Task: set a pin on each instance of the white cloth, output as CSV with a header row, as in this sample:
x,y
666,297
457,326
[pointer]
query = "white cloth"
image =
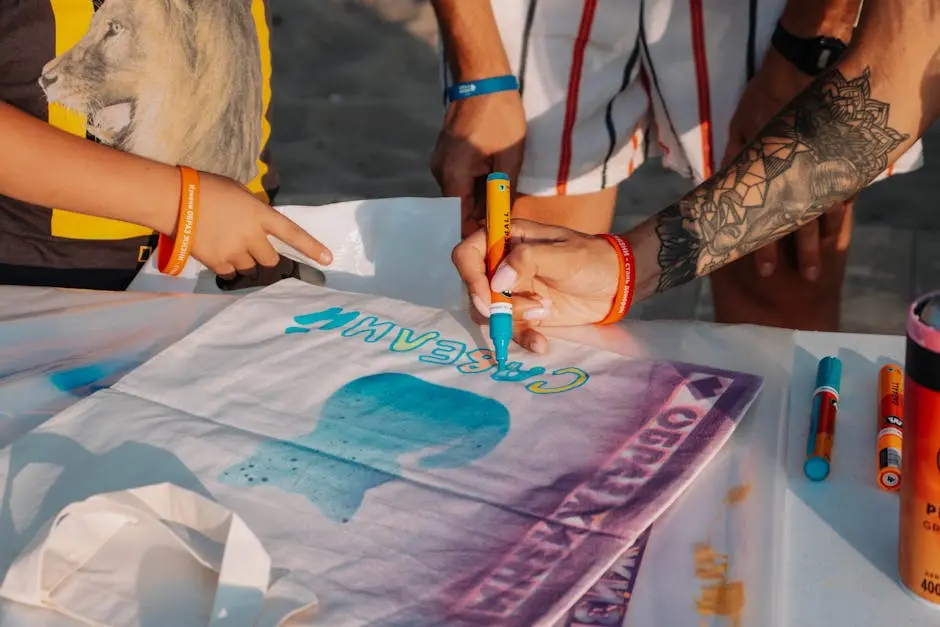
x,y
91,563
383,461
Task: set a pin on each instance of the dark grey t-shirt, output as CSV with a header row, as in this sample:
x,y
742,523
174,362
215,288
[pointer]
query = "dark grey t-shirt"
x,y
178,82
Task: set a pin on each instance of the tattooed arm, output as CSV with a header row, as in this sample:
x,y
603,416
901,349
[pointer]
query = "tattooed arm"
x,y
825,146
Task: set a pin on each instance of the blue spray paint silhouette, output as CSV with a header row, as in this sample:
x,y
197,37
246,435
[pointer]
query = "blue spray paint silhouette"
x,y
364,428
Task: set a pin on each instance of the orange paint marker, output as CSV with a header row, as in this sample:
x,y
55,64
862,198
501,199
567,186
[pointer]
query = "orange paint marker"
x,y
498,234
890,426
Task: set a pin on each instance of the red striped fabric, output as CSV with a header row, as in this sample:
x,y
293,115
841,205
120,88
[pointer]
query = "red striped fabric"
x,y
701,78
574,90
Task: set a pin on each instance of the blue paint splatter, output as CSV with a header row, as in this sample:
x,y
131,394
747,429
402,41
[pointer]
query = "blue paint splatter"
x,y
365,427
86,380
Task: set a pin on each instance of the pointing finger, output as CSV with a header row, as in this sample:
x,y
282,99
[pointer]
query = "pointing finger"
x,y
291,234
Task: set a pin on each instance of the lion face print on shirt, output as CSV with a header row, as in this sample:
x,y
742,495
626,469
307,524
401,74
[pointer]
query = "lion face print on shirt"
x,y
182,82
177,81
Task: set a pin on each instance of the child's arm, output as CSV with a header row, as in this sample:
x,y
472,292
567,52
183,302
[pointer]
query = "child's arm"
x,y
45,166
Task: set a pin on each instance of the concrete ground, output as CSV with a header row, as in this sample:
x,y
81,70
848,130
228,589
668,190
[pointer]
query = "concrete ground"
x,y
357,107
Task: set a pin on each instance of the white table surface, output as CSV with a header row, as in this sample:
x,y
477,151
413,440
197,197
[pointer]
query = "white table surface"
x,y
842,534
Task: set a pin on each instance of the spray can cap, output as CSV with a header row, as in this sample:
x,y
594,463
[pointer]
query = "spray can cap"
x,y
923,323
930,312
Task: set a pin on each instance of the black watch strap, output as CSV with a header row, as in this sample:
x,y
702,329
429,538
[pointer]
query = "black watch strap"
x,y
811,56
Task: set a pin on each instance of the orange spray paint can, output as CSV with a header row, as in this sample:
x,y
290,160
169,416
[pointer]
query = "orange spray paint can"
x,y
919,531
890,426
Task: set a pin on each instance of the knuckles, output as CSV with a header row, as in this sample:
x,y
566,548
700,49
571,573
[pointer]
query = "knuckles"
x,y
524,254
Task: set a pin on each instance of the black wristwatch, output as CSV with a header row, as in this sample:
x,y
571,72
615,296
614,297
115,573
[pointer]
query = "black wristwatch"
x,y
811,56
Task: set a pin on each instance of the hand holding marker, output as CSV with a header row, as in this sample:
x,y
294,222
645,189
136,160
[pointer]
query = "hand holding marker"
x,y
498,233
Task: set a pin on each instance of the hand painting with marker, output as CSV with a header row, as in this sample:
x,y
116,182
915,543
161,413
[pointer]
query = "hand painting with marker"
x,y
557,277
838,136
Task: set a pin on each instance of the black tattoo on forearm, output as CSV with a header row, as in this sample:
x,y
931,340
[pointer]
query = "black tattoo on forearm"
x,y
825,146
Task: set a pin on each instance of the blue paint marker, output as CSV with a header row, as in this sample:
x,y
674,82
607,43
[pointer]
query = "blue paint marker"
x,y
822,429
498,233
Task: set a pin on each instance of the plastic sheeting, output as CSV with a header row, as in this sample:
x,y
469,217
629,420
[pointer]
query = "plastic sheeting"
x,y
395,247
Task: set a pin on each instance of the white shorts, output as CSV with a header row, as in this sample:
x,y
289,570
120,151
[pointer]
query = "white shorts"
x,y
609,83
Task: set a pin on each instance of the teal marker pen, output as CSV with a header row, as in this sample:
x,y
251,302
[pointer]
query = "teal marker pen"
x,y
498,233
822,429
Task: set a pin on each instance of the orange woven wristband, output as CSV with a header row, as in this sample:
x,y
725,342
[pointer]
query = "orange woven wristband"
x,y
172,254
623,297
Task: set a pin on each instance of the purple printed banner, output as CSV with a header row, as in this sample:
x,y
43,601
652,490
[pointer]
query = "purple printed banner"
x,y
607,601
695,411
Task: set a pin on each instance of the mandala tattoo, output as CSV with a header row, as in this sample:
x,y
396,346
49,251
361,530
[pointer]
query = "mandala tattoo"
x,y
825,146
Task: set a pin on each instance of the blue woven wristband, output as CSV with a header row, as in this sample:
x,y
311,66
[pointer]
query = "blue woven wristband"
x,y
462,91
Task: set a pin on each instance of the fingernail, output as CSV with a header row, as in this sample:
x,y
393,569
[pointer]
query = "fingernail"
x,y
766,269
504,279
538,345
480,306
539,313
326,257
812,273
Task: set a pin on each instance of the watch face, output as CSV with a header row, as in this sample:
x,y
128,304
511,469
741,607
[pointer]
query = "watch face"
x,y
828,50
811,56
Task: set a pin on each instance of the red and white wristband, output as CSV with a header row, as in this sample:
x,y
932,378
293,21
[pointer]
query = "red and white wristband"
x,y
623,297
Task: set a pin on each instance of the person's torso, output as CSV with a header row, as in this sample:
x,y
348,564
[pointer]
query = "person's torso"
x,y
183,82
